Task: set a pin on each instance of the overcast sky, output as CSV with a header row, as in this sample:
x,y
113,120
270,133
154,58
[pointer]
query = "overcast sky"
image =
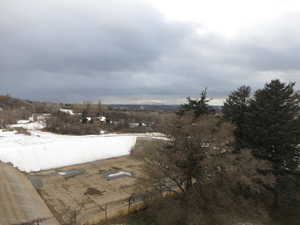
x,y
145,51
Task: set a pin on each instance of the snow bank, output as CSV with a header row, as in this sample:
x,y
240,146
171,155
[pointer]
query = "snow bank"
x,y
42,150
67,111
23,121
29,126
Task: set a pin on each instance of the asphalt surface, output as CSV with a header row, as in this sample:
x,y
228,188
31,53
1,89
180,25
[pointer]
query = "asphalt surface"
x,y
19,201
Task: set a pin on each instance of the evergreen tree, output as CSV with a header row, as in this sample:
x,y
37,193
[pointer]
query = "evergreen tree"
x,y
234,110
196,106
83,116
273,125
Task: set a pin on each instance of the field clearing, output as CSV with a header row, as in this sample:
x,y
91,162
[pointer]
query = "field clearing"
x,y
91,195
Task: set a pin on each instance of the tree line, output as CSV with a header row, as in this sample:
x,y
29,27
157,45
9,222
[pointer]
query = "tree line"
x,y
240,166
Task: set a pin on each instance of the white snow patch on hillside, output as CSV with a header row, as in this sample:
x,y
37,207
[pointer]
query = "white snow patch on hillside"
x,y
43,150
23,121
67,111
29,125
120,173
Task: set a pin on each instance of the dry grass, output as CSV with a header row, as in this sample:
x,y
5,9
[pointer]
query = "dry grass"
x,y
90,191
63,123
144,144
19,130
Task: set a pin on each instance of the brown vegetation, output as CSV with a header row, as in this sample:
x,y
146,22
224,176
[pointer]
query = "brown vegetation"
x,y
13,109
21,130
12,116
63,123
209,182
116,121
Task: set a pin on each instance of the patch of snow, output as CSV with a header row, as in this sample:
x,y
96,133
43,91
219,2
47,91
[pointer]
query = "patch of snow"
x,y
62,173
152,135
43,150
161,138
120,173
102,118
23,121
68,111
38,125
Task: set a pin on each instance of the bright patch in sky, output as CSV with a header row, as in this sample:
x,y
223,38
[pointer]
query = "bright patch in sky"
x,y
229,17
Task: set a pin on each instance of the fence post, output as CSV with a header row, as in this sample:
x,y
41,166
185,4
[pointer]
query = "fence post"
x,y
106,211
129,204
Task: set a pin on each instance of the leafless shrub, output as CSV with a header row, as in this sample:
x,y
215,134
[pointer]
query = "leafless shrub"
x,y
21,130
199,166
12,116
144,145
63,123
93,191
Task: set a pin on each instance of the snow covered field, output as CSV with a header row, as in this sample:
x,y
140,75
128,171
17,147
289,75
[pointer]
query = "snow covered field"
x,y
44,150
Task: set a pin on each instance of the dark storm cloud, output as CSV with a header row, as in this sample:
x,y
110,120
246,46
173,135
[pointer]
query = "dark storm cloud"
x,y
123,50
101,38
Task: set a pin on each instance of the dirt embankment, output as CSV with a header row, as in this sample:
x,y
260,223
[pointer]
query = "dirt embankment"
x,y
19,201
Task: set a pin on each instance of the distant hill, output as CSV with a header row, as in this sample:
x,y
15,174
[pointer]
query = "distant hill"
x,y
156,108
10,103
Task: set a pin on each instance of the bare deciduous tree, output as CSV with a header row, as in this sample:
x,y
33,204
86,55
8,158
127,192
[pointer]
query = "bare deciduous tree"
x,y
199,165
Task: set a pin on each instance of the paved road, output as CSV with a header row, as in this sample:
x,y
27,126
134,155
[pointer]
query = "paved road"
x,y
19,201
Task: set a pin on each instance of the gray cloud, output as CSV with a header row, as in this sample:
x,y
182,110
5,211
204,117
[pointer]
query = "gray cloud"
x,y
126,51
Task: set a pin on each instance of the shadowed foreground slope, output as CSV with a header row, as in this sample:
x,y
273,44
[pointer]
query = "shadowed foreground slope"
x,y
19,201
